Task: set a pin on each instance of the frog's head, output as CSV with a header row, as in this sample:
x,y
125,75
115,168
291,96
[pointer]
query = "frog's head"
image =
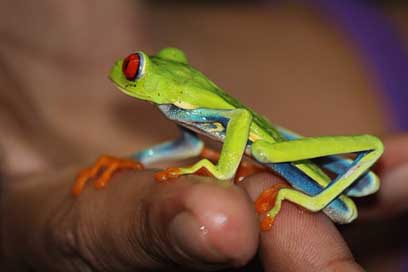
x,y
155,79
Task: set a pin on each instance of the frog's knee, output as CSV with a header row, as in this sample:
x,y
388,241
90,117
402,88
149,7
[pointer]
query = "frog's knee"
x,y
259,151
342,212
375,142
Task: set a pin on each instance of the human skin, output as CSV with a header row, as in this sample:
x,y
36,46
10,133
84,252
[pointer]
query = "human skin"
x,y
72,114
136,224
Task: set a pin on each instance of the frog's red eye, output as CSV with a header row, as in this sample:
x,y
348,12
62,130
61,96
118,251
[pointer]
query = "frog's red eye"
x,y
132,66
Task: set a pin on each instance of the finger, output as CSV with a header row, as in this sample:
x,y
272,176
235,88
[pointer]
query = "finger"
x,y
139,223
393,171
396,151
300,240
134,224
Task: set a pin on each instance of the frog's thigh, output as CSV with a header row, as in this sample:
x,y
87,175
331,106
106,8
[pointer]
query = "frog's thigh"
x,y
340,212
367,184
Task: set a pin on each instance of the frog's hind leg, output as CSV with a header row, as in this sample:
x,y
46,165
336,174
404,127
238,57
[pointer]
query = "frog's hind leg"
x,y
367,184
340,210
369,149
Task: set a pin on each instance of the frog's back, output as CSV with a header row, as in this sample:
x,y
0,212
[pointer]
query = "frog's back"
x,y
196,83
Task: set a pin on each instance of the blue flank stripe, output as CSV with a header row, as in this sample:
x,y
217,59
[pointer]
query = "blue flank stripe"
x,y
339,165
304,183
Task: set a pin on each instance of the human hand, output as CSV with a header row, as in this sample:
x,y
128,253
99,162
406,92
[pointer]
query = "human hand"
x,y
136,224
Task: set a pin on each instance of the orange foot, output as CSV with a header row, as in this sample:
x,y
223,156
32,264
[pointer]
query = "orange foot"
x,y
173,173
167,174
102,171
267,223
265,203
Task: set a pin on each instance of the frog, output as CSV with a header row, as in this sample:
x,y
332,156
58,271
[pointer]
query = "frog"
x,y
319,175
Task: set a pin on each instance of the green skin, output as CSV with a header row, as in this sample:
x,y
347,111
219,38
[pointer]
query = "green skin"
x,y
168,79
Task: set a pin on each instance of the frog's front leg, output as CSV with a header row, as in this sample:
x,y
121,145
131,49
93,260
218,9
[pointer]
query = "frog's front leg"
x,y
186,146
236,124
369,149
245,169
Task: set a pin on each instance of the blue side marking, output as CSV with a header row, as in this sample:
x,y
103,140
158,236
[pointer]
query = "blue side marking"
x,y
304,183
362,186
356,161
199,115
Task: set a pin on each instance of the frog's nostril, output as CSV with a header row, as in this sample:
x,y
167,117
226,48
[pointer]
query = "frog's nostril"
x,y
131,66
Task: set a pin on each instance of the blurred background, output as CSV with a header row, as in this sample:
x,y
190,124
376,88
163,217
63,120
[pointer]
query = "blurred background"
x,y
316,67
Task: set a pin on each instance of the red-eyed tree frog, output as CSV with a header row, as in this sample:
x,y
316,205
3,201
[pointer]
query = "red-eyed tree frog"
x,y
187,97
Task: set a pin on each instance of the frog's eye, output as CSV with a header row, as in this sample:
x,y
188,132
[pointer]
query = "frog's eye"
x,y
132,66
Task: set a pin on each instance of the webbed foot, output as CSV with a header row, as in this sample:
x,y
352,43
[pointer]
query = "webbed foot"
x,y
103,170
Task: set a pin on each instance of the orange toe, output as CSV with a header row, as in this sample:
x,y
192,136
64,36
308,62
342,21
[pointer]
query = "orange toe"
x,y
79,185
106,176
266,200
267,223
167,174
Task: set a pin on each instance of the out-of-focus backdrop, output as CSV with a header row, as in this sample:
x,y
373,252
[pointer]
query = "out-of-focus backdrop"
x,y
305,65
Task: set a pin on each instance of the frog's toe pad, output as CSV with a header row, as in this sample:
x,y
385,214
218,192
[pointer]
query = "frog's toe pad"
x,y
103,170
266,200
167,174
267,223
